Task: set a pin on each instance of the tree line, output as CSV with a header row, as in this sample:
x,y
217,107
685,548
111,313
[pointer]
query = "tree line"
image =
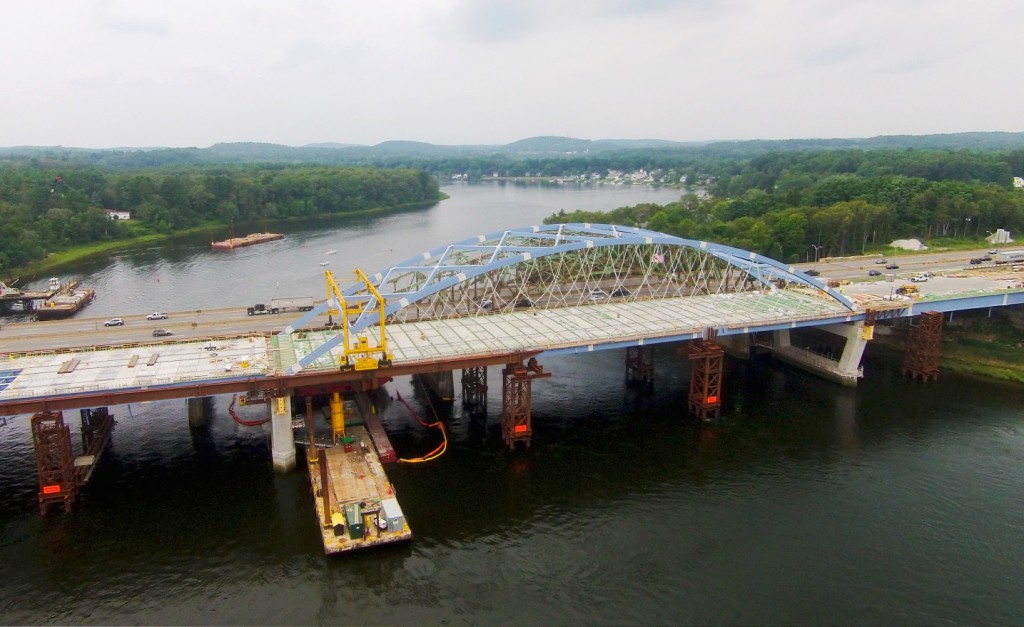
x,y
795,216
49,207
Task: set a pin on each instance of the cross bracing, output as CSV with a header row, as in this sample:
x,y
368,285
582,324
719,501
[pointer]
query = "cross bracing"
x,y
560,266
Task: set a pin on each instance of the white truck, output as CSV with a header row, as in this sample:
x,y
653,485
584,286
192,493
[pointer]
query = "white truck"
x,y
1009,256
278,305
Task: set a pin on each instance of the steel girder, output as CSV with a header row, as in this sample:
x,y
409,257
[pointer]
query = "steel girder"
x,y
572,264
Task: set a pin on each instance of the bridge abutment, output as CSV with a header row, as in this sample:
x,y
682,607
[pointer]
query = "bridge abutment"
x,y
282,438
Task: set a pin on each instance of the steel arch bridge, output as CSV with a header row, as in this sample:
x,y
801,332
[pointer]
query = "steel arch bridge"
x,y
553,266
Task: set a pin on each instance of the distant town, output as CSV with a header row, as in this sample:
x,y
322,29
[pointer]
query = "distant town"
x,y
612,177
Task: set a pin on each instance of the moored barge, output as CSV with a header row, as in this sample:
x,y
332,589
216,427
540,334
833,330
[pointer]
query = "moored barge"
x,y
248,240
65,305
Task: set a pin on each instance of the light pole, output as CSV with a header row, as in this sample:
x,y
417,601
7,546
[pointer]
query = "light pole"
x,y
816,249
967,225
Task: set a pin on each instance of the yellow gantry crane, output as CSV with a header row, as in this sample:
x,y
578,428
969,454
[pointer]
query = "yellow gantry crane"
x,y
359,355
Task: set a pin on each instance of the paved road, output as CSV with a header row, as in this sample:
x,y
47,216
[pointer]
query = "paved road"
x,y
909,264
73,332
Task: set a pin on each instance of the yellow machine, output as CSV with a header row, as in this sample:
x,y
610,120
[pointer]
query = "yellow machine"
x,y
359,354
908,288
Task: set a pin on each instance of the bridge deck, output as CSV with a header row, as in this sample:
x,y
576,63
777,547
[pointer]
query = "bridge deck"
x,y
133,367
570,328
553,331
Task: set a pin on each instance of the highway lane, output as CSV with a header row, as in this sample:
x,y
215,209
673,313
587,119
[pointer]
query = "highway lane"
x,y
80,332
909,263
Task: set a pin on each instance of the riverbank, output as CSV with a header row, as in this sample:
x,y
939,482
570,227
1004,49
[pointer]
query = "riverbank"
x,y
990,347
60,260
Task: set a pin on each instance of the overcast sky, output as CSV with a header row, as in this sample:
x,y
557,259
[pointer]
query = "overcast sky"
x,y
107,73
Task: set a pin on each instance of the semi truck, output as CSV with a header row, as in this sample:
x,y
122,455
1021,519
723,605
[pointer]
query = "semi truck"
x,y
1009,256
278,305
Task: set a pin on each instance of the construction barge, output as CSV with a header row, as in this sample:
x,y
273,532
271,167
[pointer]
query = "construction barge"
x,y
239,242
356,505
65,303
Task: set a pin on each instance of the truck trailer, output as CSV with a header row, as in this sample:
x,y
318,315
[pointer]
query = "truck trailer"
x,y
279,305
1009,256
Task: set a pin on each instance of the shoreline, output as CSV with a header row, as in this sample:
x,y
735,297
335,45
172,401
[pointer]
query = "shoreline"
x,y
58,260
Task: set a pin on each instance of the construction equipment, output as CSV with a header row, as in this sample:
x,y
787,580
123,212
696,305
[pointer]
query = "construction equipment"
x,y
359,353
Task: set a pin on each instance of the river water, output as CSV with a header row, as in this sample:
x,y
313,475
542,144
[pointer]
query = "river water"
x,y
808,503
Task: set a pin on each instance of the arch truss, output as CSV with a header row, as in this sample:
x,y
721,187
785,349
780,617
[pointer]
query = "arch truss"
x,y
556,266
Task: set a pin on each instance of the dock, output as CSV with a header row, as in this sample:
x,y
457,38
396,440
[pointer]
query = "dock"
x,y
361,504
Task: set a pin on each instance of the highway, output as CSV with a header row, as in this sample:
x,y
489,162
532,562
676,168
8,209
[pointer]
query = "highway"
x,y
909,264
76,332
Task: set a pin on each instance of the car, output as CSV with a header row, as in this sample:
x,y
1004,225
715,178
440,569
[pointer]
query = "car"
x,y
156,315
986,257
880,261
114,322
486,303
874,272
976,261
918,278
891,266
812,272
993,252
524,302
596,295
161,333
621,292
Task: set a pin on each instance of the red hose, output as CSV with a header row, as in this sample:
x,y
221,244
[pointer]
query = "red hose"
x,y
244,423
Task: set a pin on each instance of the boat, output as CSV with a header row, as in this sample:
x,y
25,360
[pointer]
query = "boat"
x,y
238,242
65,305
330,252
324,263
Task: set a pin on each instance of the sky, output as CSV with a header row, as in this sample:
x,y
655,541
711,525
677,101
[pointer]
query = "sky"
x,y
180,73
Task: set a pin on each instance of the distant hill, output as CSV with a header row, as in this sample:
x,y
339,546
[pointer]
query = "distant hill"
x,y
398,152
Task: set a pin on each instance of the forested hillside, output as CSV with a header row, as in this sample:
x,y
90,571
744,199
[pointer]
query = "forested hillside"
x,y
842,202
48,207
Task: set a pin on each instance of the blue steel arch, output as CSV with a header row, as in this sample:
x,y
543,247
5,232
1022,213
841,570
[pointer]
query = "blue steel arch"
x,y
445,267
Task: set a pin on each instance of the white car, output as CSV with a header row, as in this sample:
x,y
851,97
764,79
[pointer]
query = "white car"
x,y
114,322
156,315
918,278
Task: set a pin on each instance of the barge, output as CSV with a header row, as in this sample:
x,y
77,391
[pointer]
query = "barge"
x,y
65,304
253,238
355,503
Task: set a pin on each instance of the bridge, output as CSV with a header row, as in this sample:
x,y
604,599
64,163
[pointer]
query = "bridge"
x,y
508,299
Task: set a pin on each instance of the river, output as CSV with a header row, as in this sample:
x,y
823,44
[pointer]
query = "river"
x,y
808,503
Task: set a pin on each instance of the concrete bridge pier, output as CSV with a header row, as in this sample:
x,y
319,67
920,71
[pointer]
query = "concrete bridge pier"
x,y
199,411
640,365
442,384
282,439
737,346
846,370
474,388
